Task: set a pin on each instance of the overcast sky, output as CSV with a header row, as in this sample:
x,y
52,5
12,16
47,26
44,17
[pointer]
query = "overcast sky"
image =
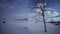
x,y
18,8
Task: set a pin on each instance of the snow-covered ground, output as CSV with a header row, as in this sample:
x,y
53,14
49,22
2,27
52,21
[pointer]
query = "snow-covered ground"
x,y
28,27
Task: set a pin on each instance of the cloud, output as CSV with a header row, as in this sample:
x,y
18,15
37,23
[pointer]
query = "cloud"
x,y
52,12
48,13
55,13
37,11
51,9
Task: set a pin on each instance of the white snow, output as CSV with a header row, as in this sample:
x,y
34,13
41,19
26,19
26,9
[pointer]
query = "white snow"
x,y
28,27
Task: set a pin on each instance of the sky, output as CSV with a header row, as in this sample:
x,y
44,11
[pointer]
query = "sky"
x,y
19,8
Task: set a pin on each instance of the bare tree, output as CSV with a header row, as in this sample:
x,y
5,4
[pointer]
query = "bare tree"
x,y
40,11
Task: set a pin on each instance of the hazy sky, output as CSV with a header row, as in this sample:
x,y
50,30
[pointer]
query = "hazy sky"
x,y
18,8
